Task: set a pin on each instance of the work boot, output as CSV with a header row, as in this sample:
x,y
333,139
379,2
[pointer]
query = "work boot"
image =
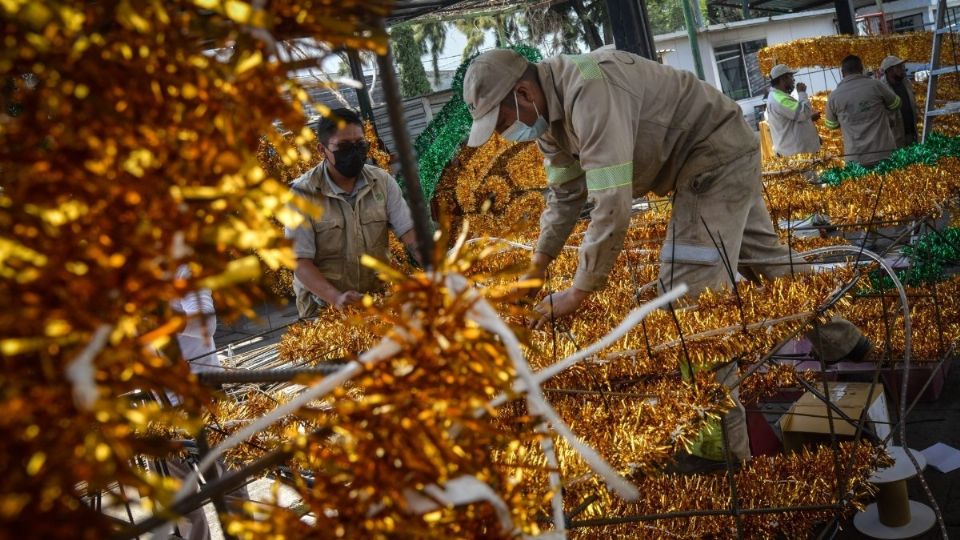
x,y
858,354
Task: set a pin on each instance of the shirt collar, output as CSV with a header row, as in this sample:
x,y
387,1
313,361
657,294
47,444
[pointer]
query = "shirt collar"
x,y
852,77
330,188
549,87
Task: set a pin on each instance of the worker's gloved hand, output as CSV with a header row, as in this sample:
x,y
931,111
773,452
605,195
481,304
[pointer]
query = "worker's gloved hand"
x,y
558,305
348,298
801,87
815,116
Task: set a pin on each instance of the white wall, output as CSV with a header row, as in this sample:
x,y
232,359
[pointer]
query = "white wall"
x,y
774,29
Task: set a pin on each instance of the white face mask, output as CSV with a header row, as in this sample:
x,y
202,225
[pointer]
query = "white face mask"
x,y
520,132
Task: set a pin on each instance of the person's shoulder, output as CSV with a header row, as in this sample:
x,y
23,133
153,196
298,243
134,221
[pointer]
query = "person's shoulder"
x,y
303,182
373,172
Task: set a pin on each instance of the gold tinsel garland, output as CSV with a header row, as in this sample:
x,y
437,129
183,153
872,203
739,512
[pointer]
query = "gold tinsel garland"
x,y
829,51
915,191
410,422
127,152
807,478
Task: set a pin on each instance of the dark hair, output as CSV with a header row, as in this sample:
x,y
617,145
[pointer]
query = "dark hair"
x,y
851,64
334,122
529,74
778,80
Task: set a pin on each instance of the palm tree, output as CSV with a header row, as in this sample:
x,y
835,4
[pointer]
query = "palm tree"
x,y
475,30
432,38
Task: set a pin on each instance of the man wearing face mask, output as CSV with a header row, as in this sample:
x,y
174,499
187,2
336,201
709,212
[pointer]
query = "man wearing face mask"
x,y
359,203
614,126
905,121
791,119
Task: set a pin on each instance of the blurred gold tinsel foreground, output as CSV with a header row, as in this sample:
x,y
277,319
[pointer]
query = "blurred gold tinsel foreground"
x,y
131,154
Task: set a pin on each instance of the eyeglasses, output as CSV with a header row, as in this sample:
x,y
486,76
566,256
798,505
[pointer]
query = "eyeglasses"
x,y
361,144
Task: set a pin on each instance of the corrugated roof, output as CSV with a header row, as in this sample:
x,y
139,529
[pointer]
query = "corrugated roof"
x,y
786,6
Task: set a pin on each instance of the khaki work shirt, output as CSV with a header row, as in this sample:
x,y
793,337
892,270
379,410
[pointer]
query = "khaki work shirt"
x,y
898,126
620,127
791,124
861,107
351,225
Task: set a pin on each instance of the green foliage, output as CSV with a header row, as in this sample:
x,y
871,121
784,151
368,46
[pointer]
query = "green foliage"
x,y
665,16
413,78
431,37
929,258
438,144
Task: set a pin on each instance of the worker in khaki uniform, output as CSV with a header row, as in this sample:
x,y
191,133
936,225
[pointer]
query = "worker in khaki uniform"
x,y
614,126
905,123
791,120
359,203
862,107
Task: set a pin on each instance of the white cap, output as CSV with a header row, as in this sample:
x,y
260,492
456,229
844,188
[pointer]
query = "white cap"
x,y
889,62
488,81
780,70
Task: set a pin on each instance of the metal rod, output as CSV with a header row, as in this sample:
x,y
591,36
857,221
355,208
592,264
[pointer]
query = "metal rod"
x,y
227,482
408,164
213,378
620,520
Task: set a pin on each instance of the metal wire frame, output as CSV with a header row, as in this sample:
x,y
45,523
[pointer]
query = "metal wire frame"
x,y
734,510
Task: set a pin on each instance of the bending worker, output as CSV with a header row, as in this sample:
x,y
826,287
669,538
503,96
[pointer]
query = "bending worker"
x,y
359,203
791,119
613,126
861,107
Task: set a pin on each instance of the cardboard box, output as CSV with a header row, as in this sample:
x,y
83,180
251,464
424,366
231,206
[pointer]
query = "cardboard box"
x,y
806,423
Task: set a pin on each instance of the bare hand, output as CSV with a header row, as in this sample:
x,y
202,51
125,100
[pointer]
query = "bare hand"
x,y
348,298
801,87
538,270
558,305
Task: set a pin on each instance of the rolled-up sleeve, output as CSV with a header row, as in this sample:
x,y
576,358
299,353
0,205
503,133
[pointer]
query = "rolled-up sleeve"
x,y
398,213
303,237
607,137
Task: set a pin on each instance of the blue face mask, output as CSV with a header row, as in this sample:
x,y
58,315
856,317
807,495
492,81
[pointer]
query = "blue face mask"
x,y
520,132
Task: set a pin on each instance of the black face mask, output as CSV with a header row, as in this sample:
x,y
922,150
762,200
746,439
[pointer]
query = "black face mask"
x,y
350,159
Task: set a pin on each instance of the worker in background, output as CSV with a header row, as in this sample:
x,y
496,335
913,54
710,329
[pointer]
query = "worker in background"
x,y
198,348
359,204
862,107
614,126
791,120
904,124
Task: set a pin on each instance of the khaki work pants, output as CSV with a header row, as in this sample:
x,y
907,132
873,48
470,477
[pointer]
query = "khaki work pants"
x,y
721,213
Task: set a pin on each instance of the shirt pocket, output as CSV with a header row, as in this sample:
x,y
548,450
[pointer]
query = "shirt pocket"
x,y
330,240
373,221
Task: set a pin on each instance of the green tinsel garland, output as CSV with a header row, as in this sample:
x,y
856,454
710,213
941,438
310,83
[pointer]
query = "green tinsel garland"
x,y
442,138
930,256
937,146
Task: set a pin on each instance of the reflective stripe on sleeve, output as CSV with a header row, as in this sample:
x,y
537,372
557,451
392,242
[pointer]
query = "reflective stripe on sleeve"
x,y
610,177
786,101
589,68
895,104
831,124
562,175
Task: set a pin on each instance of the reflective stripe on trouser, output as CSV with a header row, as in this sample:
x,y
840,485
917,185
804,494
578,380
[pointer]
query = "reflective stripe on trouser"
x,y
725,208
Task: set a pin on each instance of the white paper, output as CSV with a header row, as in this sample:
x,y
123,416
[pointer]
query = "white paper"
x,y
942,457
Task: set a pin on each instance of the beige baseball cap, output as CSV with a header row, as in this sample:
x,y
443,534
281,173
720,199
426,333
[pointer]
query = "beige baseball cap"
x,y
780,70
489,80
889,62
